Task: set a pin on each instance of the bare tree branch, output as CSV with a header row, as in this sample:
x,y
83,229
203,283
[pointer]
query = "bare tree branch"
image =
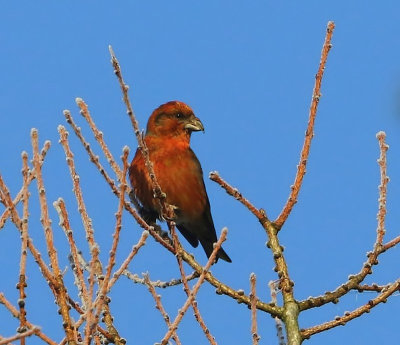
x,y
195,289
59,288
278,322
348,316
160,307
24,245
301,167
19,336
199,318
31,176
14,313
253,299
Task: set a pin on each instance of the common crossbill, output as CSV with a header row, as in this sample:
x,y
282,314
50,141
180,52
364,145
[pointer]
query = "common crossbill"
x,y
179,175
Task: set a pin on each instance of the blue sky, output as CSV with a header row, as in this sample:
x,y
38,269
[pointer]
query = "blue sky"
x,y
247,69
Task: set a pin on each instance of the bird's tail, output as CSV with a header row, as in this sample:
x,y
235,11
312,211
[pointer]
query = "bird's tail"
x,y
208,248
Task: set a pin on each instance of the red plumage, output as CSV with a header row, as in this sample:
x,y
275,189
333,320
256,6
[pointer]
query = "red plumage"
x,y
179,174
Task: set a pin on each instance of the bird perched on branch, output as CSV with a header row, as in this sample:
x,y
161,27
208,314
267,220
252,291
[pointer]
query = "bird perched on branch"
x,y
178,173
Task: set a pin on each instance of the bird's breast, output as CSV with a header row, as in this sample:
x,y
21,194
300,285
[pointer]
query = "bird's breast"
x,y
180,177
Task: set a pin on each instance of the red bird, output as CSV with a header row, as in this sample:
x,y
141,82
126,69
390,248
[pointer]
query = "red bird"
x,y
179,174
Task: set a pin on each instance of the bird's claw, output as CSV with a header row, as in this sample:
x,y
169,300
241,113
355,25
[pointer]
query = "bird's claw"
x,y
170,212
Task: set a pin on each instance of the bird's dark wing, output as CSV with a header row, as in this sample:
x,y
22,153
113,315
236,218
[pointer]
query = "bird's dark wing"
x,y
202,229
191,238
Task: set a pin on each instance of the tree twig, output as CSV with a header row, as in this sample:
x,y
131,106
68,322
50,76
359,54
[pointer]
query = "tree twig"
x,y
354,281
104,286
199,318
253,299
382,189
59,288
234,192
301,167
348,316
61,209
159,284
14,313
19,336
31,176
273,286
166,210
372,288
123,268
159,306
99,137
24,245
195,289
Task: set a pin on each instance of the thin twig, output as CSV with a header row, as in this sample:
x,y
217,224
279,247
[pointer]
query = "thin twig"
x,y
253,299
18,223
348,316
135,249
87,223
61,209
159,306
98,136
104,287
354,281
301,167
160,284
24,245
21,336
390,244
382,189
372,288
59,288
273,286
199,318
166,210
95,264
196,288
234,192
31,176
93,157
14,313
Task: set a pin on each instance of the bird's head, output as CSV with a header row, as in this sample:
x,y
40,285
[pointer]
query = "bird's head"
x,y
173,119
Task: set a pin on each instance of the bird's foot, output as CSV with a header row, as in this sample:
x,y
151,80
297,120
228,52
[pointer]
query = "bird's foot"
x,y
159,231
170,212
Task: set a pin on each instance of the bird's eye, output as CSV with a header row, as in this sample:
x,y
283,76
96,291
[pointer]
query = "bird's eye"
x,y
178,115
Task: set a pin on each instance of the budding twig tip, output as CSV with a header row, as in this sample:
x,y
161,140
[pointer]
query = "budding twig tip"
x,y
213,174
111,50
381,135
126,149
